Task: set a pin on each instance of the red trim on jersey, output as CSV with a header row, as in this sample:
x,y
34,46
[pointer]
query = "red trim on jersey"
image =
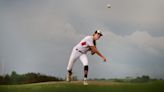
x,y
83,43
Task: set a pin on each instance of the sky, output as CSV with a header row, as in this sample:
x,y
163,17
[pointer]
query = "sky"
x,y
38,36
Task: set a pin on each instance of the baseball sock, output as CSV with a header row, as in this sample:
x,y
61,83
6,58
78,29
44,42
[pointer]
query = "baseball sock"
x,y
70,72
86,71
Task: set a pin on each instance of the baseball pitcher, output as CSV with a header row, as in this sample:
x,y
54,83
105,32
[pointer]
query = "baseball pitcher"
x,y
80,52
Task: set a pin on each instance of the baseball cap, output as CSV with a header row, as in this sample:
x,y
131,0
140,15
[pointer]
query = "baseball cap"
x,y
99,32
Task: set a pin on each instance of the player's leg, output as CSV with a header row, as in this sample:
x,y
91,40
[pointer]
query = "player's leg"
x,y
84,60
72,59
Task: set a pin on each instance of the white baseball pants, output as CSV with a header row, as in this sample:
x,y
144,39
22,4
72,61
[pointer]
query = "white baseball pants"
x,y
77,55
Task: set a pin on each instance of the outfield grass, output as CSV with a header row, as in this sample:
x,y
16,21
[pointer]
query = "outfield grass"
x,y
94,86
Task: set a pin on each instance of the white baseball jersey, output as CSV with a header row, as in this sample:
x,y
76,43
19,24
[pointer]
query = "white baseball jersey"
x,y
84,44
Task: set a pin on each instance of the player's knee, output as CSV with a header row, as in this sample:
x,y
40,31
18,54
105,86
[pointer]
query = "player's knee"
x,y
86,68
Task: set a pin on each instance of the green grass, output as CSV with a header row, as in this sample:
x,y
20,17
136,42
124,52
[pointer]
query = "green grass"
x,y
94,86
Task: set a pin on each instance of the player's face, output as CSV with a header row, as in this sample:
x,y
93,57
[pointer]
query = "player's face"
x,y
97,36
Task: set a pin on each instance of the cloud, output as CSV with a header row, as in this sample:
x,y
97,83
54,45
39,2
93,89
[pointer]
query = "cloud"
x,y
145,41
133,54
138,39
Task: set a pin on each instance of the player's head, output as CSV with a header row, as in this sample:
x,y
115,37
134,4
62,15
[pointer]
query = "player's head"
x,y
97,35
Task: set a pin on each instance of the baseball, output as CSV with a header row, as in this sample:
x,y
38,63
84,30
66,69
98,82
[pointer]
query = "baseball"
x,y
108,6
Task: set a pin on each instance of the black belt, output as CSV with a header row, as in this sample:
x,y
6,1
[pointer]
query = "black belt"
x,y
79,51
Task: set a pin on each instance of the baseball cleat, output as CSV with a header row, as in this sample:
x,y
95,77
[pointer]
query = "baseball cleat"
x,y
69,77
85,81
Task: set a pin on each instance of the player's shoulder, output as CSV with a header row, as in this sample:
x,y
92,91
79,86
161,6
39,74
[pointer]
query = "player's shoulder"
x,y
89,37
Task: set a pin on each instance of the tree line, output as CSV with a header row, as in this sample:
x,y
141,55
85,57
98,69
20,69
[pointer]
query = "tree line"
x,y
15,78
139,79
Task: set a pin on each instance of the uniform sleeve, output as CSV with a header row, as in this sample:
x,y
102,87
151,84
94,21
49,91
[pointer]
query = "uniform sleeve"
x,y
89,41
